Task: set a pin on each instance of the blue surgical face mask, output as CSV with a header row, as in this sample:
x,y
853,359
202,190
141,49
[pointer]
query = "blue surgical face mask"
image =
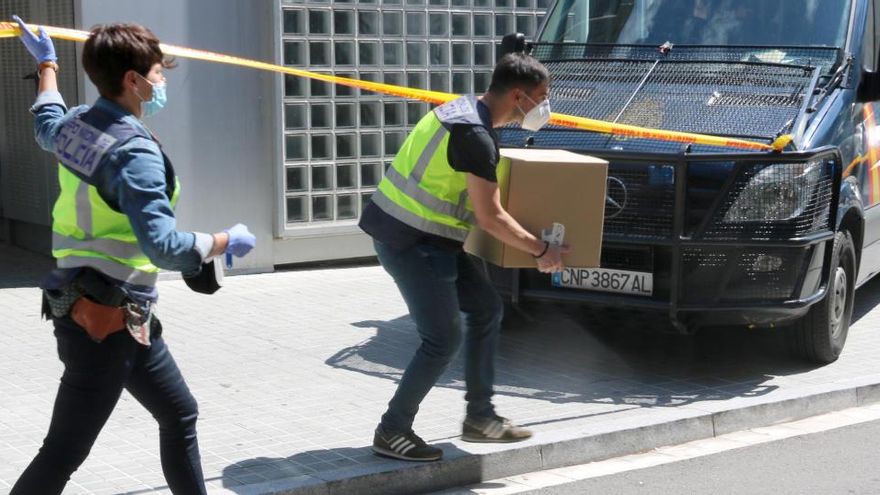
x,y
157,102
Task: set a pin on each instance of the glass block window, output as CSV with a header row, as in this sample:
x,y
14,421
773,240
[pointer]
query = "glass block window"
x,y
295,87
416,23
319,22
461,82
344,22
461,54
322,146
319,88
414,112
346,115
345,91
344,52
346,176
439,81
295,116
370,113
368,23
338,141
439,53
322,177
346,146
461,25
392,23
417,80
370,143
294,21
395,78
346,206
294,52
394,114
416,53
322,208
438,23
297,179
321,116
392,53
483,25
369,53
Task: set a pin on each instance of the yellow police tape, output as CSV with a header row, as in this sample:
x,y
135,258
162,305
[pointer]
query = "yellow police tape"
x,y
9,30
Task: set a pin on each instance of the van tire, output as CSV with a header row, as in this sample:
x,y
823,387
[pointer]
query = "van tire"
x,y
821,334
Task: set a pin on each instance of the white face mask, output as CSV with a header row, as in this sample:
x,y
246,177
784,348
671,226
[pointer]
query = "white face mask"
x,y
537,117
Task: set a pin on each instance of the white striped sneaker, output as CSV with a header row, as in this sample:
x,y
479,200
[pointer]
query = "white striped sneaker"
x,y
404,446
492,430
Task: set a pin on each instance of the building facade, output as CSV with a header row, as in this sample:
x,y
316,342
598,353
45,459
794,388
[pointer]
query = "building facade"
x,y
295,159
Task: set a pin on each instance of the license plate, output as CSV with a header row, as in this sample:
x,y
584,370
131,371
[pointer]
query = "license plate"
x,y
606,280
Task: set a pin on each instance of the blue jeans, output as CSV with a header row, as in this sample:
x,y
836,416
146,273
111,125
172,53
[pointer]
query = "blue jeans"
x,y
439,287
93,379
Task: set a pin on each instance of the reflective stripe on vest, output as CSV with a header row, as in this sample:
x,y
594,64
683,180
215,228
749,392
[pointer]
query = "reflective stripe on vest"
x,y
407,195
110,268
83,215
410,186
415,221
110,247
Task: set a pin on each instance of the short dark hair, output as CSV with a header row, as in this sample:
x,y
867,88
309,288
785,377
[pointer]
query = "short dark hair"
x,y
517,70
114,49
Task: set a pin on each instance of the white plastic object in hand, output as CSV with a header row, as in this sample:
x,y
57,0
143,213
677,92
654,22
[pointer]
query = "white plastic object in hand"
x,y
554,235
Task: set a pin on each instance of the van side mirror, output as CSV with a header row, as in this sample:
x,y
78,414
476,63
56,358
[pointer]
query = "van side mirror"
x,y
513,43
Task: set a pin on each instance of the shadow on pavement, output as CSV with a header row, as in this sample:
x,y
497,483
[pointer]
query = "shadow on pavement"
x,y
241,476
867,298
561,354
20,268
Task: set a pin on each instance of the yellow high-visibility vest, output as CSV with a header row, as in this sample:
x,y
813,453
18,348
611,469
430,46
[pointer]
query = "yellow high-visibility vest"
x,y
420,188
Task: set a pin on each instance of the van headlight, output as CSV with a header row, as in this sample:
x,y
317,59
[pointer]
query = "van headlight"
x,y
777,193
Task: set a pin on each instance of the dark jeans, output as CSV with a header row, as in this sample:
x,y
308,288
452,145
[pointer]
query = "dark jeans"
x,y
440,286
93,379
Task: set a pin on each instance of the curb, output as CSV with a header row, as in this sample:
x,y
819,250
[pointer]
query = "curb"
x,y
461,468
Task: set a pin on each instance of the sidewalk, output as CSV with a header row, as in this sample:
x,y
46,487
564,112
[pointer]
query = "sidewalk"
x,y
293,369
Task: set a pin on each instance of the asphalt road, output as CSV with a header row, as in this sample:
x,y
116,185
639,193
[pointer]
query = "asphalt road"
x,y
838,461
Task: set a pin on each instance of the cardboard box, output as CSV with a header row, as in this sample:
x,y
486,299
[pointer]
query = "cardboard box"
x,y
540,187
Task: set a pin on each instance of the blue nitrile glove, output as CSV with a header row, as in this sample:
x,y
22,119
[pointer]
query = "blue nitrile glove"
x,y
241,241
41,48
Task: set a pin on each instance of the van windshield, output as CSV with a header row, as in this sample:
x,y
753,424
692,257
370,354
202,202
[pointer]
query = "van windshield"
x,y
700,22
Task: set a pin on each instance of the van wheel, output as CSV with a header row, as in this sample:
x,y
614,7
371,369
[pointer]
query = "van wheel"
x,y
820,335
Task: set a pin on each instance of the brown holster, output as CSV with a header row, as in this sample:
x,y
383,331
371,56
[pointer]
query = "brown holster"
x,y
97,320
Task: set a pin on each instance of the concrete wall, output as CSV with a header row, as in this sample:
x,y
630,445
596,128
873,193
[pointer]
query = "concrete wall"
x,y
219,126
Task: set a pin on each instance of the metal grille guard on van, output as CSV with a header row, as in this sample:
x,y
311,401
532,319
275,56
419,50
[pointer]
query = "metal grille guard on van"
x,y
720,232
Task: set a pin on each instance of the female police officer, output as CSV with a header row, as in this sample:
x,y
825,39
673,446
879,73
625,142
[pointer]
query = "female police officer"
x,y
113,228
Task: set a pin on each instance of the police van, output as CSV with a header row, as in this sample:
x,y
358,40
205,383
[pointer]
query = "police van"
x,y
712,236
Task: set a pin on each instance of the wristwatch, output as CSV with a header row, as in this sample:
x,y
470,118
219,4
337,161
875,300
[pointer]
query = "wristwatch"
x,y
48,64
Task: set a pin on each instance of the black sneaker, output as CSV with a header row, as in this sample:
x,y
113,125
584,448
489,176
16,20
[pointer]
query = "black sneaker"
x,y
404,446
492,430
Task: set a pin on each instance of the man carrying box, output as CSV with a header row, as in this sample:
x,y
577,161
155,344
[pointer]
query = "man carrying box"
x,y
441,184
